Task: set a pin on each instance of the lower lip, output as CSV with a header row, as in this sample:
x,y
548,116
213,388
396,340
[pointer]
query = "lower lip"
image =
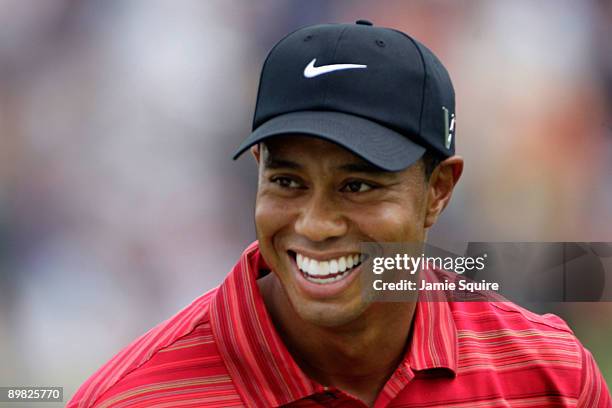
x,y
324,290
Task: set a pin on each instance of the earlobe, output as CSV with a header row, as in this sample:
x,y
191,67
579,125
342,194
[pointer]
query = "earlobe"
x,y
441,186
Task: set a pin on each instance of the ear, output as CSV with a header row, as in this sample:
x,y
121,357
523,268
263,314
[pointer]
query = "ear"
x,y
440,188
255,151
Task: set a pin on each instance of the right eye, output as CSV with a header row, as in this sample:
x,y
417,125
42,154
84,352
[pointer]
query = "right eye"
x,y
285,182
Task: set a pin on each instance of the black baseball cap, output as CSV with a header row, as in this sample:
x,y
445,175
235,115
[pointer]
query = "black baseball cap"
x,y
375,91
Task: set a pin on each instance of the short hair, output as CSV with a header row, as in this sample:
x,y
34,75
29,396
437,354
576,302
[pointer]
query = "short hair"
x,y
431,160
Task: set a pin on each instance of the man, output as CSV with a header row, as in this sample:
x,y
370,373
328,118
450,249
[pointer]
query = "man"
x,y
354,139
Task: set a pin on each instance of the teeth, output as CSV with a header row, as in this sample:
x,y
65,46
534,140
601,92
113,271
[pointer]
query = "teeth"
x,y
313,267
329,270
299,259
305,264
333,266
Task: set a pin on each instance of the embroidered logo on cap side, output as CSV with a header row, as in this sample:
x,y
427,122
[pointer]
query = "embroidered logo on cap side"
x,y
449,127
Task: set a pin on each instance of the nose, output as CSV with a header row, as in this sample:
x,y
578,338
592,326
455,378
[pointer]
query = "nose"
x,y
320,219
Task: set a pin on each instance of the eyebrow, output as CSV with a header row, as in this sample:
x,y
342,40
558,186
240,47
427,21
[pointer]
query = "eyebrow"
x,y
362,168
273,163
366,168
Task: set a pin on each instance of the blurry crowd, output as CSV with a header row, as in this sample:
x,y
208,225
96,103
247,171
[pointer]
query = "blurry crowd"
x,y
119,201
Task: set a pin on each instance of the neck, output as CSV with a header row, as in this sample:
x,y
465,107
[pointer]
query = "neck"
x,y
371,346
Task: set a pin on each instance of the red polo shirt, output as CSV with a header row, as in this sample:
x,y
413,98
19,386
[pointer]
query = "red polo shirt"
x,y
223,351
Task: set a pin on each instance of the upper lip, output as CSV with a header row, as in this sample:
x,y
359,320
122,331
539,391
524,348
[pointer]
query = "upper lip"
x,y
324,256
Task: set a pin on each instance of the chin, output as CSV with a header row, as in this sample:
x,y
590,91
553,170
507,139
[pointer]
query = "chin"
x,y
328,315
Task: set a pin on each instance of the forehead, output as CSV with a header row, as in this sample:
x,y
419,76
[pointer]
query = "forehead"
x,y
306,147
300,152
304,151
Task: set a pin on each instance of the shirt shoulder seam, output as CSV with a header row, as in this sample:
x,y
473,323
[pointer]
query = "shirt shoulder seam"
x,y
203,320
541,320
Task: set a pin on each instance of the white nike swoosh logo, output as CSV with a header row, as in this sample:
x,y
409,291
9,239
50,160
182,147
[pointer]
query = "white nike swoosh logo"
x,y
311,71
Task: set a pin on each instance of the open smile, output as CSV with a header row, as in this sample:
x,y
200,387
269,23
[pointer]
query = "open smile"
x,y
327,271
326,276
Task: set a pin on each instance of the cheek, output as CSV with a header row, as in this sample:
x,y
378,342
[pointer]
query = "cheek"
x,y
392,222
271,216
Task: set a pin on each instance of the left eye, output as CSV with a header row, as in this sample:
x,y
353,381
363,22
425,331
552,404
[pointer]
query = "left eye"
x,y
357,187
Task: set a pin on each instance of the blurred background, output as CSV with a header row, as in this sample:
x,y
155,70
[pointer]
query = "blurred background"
x,y
119,203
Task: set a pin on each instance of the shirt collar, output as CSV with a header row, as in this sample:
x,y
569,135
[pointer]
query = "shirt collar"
x,y
434,337
264,371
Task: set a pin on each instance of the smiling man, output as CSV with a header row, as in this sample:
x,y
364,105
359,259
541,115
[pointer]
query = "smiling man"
x,y
316,203
354,139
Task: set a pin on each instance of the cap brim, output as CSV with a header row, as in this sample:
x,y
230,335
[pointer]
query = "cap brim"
x,y
374,143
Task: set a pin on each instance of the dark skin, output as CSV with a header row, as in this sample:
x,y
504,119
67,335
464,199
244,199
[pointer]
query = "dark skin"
x,y
316,198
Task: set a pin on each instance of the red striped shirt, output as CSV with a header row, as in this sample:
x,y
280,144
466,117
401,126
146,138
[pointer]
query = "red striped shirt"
x,y
223,351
